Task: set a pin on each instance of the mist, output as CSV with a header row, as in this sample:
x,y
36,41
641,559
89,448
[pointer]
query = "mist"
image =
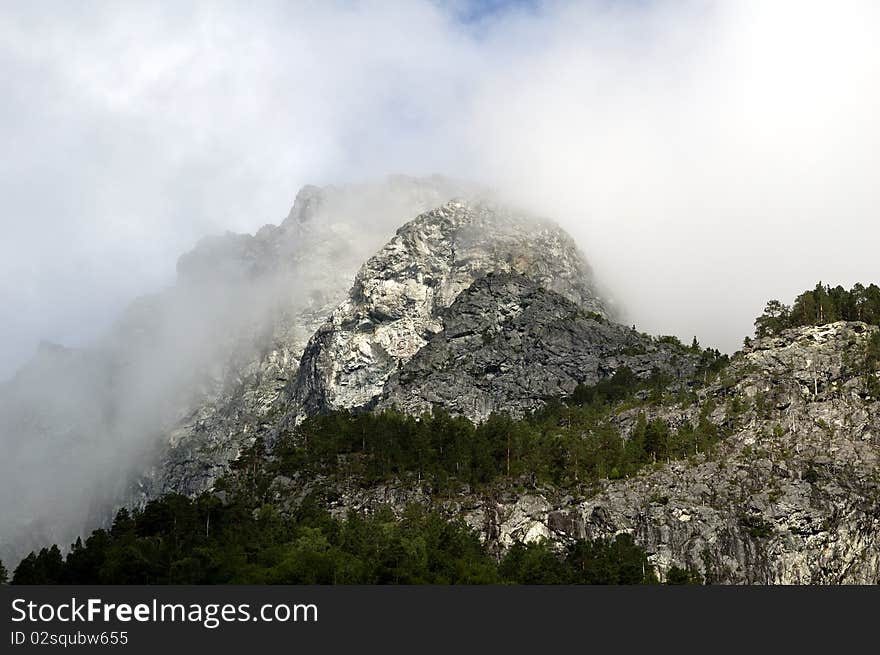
x,y
85,430
706,156
689,146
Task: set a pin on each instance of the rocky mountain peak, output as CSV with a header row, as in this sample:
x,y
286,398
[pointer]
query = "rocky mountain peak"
x,y
193,372
399,295
307,204
297,319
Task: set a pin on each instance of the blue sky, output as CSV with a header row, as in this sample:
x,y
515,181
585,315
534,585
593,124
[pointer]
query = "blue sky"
x,y
481,10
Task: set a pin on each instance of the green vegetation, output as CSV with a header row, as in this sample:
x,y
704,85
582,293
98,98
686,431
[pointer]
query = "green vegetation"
x,y
710,364
870,364
872,355
824,305
756,526
821,306
565,444
241,534
623,384
176,540
679,576
617,561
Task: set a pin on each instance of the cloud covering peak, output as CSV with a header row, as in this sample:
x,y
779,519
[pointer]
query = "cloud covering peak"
x,y
706,155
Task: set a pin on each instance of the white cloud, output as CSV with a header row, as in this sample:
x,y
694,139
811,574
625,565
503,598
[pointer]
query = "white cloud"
x,y
707,155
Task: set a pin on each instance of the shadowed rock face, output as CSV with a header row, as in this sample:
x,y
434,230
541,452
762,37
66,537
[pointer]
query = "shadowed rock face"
x,y
508,344
401,296
792,496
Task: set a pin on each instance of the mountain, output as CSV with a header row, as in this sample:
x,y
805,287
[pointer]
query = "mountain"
x,y
509,344
401,300
791,496
419,343
186,375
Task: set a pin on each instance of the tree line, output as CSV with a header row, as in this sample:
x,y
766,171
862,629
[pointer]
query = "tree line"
x,y
820,306
177,540
568,444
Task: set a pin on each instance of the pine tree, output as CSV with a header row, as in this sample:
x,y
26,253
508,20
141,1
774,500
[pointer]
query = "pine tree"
x,y
775,318
859,300
44,568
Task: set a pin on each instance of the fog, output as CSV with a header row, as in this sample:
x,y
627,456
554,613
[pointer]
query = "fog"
x,y
83,430
706,156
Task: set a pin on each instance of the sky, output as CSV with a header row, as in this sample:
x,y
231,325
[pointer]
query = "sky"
x,y
706,156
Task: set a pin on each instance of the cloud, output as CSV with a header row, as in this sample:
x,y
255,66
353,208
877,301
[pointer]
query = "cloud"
x,y
706,155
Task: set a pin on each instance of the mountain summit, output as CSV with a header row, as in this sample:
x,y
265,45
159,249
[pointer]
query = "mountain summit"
x,y
417,342
307,316
402,300
401,297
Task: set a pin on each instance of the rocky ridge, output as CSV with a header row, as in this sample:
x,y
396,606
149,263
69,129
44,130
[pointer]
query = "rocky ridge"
x,y
188,375
791,496
400,297
475,308
508,344
308,262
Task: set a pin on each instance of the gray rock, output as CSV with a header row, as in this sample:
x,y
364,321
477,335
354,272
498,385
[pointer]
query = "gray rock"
x,y
309,260
508,345
400,296
478,309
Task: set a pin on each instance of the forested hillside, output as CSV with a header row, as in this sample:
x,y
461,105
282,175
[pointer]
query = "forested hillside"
x,y
238,534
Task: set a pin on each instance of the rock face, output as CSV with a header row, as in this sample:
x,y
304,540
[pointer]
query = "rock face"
x,y
191,374
508,344
792,496
400,296
302,268
470,306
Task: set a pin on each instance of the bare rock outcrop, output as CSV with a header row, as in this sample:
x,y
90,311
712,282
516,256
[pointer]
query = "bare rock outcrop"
x,y
400,296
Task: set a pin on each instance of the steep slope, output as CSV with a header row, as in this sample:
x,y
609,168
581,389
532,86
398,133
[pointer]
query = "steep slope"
x,y
399,296
790,494
478,310
508,344
190,373
306,263
793,495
